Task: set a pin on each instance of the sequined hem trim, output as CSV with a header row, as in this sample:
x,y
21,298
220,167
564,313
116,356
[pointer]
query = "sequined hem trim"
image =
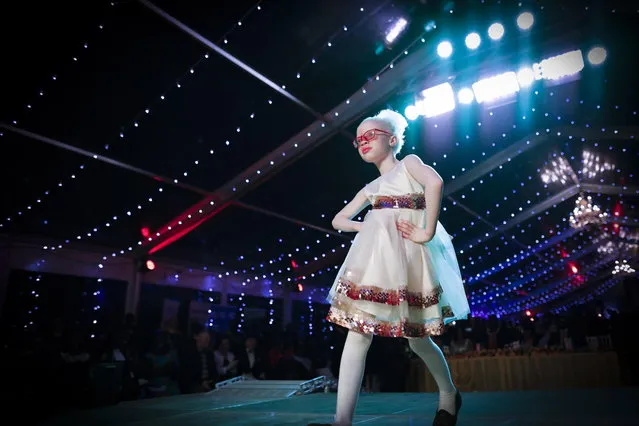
x,y
415,201
386,296
367,325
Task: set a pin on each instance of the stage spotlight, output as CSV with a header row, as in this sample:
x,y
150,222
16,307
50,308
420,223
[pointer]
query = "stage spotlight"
x,y
573,268
563,65
145,232
525,77
411,112
147,265
496,31
465,96
395,31
473,40
597,55
525,20
436,100
497,87
444,49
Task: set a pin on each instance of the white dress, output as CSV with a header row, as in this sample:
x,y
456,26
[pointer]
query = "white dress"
x,y
390,286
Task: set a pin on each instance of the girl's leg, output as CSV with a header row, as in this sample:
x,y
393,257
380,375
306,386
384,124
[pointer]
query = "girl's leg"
x,y
434,359
351,373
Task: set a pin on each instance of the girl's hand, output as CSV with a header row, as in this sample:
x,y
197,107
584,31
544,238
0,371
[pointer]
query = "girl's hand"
x,y
414,233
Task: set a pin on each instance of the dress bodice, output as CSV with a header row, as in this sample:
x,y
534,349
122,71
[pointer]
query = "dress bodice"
x,y
396,182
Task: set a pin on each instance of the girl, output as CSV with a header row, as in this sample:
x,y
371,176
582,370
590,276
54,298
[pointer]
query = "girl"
x,y
400,278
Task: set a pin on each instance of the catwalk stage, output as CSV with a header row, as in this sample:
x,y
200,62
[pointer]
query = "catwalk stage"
x,y
600,407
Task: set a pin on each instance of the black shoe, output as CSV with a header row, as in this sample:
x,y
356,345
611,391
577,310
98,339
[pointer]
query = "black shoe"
x,y
444,418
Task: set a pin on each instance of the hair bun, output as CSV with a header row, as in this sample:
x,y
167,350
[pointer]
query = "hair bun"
x,y
398,121
398,124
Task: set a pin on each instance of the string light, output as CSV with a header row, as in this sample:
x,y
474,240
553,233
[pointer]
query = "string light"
x,y
622,267
271,309
561,172
35,304
95,308
211,311
592,165
144,112
542,235
549,293
471,245
137,119
310,316
497,207
75,58
590,296
138,243
240,308
130,248
30,106
92,232
586,213
535,275
168,228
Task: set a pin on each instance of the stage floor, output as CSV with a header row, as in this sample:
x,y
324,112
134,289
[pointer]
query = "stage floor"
x,y
599,407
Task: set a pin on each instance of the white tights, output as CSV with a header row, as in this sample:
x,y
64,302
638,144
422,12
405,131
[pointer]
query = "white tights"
x,y
351,373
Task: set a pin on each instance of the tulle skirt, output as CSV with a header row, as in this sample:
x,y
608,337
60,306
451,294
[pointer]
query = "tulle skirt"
x,y
393,287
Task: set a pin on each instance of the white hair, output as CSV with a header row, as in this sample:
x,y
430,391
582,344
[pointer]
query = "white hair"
x,y
397,124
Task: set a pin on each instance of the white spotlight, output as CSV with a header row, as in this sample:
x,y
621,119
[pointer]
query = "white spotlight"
x,y
444,49
496,31
473,40
411,112
525,20
497,87
597,55
436,100
525,77
465,96
563,65
395,30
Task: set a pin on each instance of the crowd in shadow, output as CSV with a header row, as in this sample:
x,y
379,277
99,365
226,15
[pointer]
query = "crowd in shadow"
x,y
63,368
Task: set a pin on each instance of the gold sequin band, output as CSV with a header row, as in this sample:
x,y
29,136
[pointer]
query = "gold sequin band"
x,y
415,201
368,325
387,296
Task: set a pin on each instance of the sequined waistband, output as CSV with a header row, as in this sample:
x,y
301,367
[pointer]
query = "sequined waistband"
x,y
408,201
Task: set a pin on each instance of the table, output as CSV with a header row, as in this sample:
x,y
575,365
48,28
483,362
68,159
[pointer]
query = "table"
x,y
523,372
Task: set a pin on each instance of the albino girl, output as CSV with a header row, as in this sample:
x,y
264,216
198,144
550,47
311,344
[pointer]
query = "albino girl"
x,y
401,277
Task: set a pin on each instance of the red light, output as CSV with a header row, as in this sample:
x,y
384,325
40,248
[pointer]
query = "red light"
x,y
145,232
573,268
294,264
528,313
578,280
150,265
300,287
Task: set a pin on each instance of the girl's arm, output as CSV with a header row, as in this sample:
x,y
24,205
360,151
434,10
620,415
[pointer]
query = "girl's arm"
x,y
343,220
433,187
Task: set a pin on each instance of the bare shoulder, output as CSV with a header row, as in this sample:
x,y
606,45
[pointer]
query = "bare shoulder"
x,y
420,171
413,159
